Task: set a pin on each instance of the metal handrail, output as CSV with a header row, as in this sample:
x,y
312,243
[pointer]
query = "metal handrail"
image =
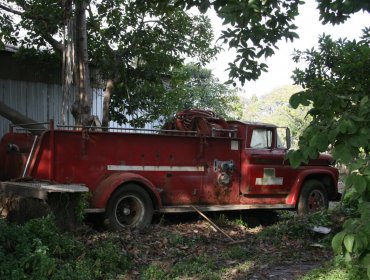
x,y
129,129
26,124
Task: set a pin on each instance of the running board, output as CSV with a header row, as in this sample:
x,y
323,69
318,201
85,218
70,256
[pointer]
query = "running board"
x,y
94,210
209,208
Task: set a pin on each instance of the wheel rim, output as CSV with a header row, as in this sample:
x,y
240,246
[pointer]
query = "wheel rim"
x,y
129,210
316,201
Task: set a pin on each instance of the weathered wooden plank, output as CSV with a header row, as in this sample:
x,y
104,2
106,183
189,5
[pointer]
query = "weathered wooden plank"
x,y
39,190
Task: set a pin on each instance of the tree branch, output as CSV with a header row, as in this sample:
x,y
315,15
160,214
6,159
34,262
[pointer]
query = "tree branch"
x,y
58,46
152,21
10,10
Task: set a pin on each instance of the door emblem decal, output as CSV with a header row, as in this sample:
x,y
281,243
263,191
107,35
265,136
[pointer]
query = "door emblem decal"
x,y
269,178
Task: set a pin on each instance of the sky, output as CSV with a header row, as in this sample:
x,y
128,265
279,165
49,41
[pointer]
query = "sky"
x,y
281,65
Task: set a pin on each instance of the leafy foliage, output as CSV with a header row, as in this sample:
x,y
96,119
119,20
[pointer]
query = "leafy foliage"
x,y
252,28
337,85
194,87
38,251
339,11
145,43
188,86
335,272
136,44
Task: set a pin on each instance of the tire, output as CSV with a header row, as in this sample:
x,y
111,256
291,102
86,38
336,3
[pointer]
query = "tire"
x,y
313,198
129,207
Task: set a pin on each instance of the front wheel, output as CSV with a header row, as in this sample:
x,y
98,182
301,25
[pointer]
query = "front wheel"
x,y
130,206
313,198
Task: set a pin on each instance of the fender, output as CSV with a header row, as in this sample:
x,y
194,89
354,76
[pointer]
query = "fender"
x,y
109,184
292,198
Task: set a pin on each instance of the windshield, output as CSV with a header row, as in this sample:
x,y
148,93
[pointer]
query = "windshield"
x,y
261,138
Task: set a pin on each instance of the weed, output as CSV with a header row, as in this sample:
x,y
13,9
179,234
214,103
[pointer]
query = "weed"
x,y
321,218
203,268
175,238
222,220
162,220
336,273
236,253
153,272
286,214
298,227
240,222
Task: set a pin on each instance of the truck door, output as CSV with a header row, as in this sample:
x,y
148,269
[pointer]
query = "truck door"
x,y
264,168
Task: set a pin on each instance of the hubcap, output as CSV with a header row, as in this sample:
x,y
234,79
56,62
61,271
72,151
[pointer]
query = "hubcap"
x,y
126,211
129,210
316,201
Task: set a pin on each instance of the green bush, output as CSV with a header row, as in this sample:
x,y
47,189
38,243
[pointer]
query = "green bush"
x,y
336,272
37,250
153,272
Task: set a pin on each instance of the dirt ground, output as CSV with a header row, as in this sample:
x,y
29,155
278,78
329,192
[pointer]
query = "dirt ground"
x,y
174,239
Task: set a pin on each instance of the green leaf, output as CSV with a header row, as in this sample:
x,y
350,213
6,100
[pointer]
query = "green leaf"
x,y
347,257
359,141
298,99
342,152
295,158
350,179
351,223
332,135
360,243
359,183
364,210
337,241
347,126
366,171
348,242
364,100
309,152
365,260
363,240
322,142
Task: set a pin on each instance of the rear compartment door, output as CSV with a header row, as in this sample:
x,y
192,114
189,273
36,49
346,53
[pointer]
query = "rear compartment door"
x,y
222,177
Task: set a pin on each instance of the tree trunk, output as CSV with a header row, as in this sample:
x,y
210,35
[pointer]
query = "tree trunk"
x,y
81,108
17,118
106,103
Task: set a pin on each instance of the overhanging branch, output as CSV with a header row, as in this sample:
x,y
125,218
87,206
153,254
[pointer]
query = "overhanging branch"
x,y
58,46
10,10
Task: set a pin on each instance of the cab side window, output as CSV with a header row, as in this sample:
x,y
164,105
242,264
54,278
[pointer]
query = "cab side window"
x,y
261,138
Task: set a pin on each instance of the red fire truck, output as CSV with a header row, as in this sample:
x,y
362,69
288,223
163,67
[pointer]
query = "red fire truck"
x,y
131,174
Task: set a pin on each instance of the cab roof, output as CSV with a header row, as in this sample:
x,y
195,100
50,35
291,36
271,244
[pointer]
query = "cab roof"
x,y
249,123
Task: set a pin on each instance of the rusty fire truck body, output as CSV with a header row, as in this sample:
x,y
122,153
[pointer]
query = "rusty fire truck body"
x,y
131,174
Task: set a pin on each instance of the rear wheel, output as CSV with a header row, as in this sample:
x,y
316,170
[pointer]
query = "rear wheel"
x,y
130,206
313,198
